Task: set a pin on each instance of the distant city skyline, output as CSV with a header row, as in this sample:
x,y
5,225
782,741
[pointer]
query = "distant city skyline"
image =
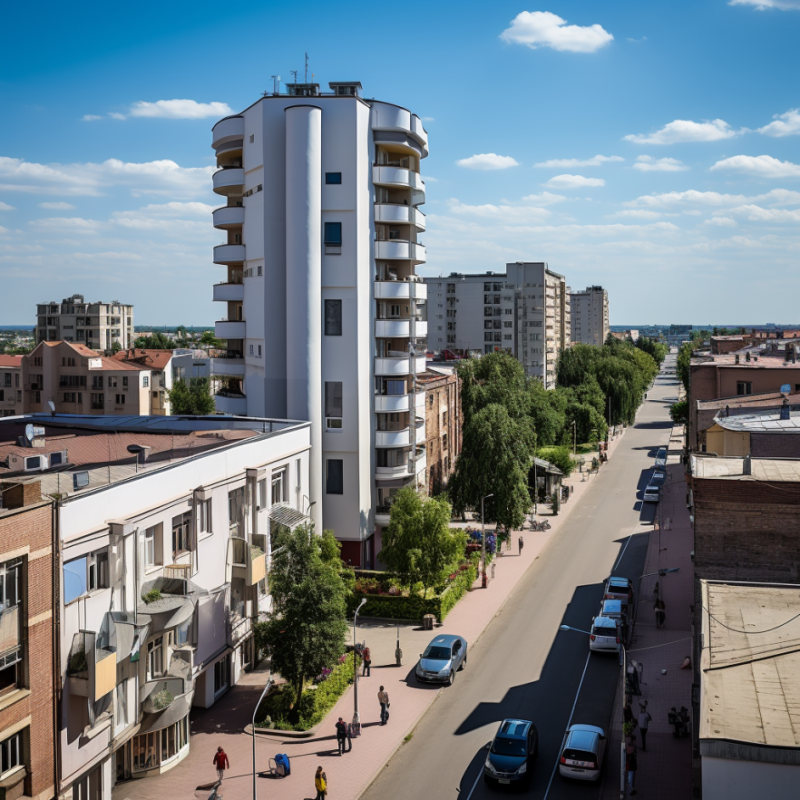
x,y
617,142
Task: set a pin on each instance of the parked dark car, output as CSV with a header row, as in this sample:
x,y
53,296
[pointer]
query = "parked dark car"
x,y
512,753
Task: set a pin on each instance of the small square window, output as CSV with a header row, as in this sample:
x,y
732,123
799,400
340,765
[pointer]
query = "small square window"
x,y
260,270
333,234
334,178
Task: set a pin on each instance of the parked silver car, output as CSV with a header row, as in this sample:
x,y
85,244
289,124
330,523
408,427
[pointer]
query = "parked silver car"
x,y
442,658
582,753
604,635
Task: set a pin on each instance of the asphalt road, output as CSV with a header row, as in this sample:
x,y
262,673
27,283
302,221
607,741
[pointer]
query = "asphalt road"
x,y
523,666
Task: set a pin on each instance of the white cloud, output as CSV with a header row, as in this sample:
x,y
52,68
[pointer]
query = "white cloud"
x,y
787,124
764,5
74,224
760,166
758,214
179,109
721,222
685,130
567,163
58,206
116,115
692,196
638,213
650,164
545,29
91,179
487,161
90,117
507,214
543,199
573,182
5,207
428,119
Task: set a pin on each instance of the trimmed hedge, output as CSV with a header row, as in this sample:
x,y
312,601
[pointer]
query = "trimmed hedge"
x,y
314,704
416,607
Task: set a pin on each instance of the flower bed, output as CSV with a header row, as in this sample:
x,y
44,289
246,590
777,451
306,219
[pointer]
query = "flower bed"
x,y
278,708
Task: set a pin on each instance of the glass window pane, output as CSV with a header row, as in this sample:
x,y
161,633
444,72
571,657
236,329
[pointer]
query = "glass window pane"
x,y
335,477
74,579
333,317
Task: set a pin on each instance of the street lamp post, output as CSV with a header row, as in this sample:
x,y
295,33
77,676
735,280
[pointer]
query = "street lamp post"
x,y
484,581
623,656
356,715
255,711
574,437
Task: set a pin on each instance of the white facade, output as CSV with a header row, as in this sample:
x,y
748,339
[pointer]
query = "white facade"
x,y
323,307
167,563
462,313
97,325
589,320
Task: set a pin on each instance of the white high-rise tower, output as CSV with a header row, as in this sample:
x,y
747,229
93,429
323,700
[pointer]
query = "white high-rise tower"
x,y
325,314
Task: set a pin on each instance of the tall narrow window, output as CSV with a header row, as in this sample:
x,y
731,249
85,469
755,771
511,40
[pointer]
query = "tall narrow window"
x,y
333,405
333,317
334,483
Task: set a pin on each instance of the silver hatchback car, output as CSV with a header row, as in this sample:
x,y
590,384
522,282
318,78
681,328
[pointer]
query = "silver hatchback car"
x,y
442,658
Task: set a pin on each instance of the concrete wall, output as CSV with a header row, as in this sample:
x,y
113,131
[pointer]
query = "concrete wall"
x,y
726,779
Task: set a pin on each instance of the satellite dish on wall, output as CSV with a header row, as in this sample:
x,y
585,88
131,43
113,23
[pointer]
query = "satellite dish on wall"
x,y
29,432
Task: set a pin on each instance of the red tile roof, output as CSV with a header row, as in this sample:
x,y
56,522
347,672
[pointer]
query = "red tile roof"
x,y
10,361
150,359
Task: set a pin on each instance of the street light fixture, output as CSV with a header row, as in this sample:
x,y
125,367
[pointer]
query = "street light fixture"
x,y
356,715
484,581
255,711
623,655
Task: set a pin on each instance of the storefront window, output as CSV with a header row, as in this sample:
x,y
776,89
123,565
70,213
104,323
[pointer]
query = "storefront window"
x,y
151,750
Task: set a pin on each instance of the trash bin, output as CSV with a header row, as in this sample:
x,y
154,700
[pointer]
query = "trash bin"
x,y
427,622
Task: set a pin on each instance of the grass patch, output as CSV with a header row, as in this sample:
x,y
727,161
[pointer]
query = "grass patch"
x,y
408,738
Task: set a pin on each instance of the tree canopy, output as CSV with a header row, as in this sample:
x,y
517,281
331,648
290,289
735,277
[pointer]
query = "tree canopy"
x,y
193,398
156,341
658,350
418,545
306,630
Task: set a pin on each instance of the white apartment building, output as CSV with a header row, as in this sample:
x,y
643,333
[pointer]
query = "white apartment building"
x,y
324,312
96,325
162,554
589,316
465,313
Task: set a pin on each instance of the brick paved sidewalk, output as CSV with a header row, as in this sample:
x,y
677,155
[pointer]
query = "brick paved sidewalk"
x,y
665,768
351,774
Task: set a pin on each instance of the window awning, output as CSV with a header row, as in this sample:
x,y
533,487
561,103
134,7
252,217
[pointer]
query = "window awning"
x,y
284,514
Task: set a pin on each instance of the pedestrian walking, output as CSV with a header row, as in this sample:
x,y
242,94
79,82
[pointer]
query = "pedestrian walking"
x,y
366,658
656,593
321,784
644,723
660,613
383,699
631,766
633,677
341,735
521,544
221,762
349,736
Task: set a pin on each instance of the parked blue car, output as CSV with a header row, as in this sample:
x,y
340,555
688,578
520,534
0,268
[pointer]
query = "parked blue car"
x,y
512,753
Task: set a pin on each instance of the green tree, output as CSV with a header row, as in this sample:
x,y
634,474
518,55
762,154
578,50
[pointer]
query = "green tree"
x,y
653,348
683,365
560,457
209,340
495,459
193,398
680,412
116,347
497,378
306,630
157,341
419,546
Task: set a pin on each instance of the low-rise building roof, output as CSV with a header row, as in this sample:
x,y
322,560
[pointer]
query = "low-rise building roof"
x,y
750,670
775,470
10,361
147,359
770,422
764,399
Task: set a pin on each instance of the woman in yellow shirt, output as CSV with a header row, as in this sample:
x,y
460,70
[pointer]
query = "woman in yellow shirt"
x,y
321,784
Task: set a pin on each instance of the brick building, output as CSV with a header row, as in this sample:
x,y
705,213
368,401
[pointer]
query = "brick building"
x,y
10,385
772,434
26,643
729,344
442,425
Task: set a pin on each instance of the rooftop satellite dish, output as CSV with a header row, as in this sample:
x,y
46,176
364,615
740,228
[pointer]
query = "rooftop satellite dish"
x,y
786,390
29,432
52,407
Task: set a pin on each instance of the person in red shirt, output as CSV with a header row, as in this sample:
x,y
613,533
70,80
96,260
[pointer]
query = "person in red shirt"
x,y
221,762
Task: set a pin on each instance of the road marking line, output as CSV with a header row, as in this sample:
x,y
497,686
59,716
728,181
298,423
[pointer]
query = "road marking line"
x,y
630,535
474,785
558,757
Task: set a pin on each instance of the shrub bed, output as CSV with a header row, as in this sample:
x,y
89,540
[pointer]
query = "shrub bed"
x,y
278,710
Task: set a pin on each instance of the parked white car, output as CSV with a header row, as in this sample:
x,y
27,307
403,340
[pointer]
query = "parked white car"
x,y
604,636
582,753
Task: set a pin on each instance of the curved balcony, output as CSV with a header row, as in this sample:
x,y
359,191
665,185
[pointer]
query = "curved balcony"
x,y
226,130
401,290
395,118
393,328
228,181
229,254
401,438
399,214
399,365
230,329
396,176
396,403
228,217
420,462
228,367
397,248
231,404
391,473
228,291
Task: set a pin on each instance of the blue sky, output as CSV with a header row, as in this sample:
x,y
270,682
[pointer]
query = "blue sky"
x,y
648,147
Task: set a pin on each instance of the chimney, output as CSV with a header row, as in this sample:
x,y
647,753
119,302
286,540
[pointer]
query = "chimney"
x,y
747,467
785,410
747,356
19,495
736,358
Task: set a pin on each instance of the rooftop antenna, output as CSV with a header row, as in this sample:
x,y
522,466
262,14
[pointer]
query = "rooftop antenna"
x,y
294,72
305,79
276,79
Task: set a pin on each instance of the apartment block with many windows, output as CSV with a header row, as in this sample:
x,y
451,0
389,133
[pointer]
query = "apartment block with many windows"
x,y
99,326
10,385
589,321
162,537
324,316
